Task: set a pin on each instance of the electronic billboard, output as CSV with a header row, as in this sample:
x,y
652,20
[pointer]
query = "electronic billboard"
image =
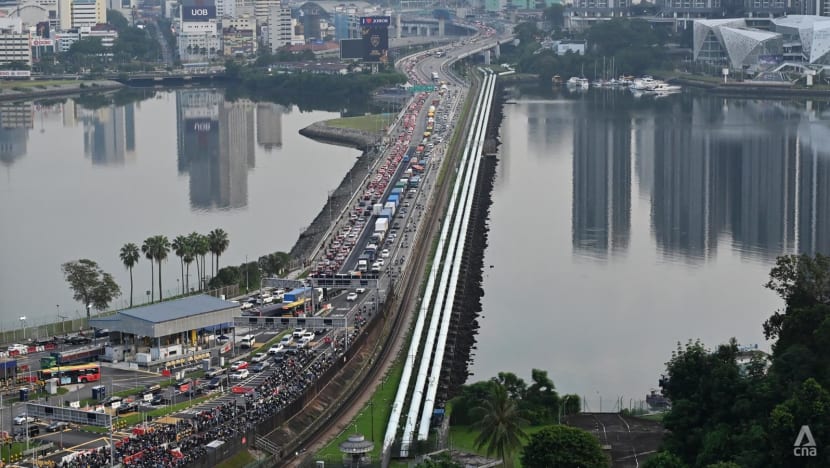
x,y
352,49
198,10
374,30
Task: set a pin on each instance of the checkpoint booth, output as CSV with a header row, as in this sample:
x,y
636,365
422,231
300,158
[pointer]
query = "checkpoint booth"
x,y
168,334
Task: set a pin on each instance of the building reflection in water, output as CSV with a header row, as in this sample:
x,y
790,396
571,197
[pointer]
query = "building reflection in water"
x,y
216,147
753,172
269,125
16,119
601,204
109,133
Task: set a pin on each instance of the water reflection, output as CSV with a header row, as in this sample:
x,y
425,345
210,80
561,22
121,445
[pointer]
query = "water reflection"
x,y
753,172
109,133
601,184
269,125
15,121
216,147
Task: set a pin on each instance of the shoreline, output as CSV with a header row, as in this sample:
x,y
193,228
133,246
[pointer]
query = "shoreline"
x,y
82,87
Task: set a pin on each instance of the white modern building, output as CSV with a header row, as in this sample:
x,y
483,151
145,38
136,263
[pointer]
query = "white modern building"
x,y
280,27
731,42
14,44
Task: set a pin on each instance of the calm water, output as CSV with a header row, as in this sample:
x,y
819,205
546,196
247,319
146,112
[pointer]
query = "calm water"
x,y
79,183
622,226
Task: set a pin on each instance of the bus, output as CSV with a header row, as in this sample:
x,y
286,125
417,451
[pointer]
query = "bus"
x,y
72,374
292,309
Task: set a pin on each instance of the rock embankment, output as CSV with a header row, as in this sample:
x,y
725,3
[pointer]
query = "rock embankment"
x,y
359,139
57,89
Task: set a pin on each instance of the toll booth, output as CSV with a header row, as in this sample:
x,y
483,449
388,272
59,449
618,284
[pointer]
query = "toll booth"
x,y
99,392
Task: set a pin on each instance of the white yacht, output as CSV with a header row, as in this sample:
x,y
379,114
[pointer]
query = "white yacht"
x,y
577,82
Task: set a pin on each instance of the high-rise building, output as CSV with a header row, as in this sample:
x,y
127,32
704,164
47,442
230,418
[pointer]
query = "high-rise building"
x,y
280,28
77,13
262,10
269,125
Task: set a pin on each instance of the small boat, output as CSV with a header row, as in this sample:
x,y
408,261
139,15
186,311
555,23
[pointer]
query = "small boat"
x,y
665,88
577,82
645,83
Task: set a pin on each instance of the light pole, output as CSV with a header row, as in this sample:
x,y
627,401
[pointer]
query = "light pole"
x,y
246,274
563,409
23,321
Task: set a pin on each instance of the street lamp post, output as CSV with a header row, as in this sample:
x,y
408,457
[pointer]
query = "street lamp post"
x,y
23,321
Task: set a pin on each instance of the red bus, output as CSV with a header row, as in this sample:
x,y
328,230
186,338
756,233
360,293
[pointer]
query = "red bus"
x,y
66,375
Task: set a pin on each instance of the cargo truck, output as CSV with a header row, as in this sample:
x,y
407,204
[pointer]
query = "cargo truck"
x,y
377,208
397,190
381,224
363,263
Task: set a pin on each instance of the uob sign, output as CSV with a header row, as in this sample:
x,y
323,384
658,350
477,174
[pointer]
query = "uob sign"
x,y
200,11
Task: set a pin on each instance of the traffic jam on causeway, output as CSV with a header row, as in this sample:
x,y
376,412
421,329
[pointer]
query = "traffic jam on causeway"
x,y
265,371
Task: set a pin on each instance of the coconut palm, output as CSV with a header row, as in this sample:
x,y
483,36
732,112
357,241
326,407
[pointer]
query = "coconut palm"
x,y
218,241
500,424
147,250
129,257
201,247
161,247
188,258
179,246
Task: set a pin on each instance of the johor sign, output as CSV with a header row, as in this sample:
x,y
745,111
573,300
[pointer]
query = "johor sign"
x,y
376,21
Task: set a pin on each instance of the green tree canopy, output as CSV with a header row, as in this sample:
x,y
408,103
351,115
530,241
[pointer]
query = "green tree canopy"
x,y
563,446
90,284
664,460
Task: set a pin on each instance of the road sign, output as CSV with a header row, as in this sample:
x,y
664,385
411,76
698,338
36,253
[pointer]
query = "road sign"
x,y
423,88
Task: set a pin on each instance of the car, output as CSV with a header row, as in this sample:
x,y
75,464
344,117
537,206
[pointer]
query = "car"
x,y
32,430
127,408
286,340
57,426
160,399
308,336
240,374
215,372
384,253
101,332
241,365
360,290
18,348
259,357
261,366
218,381
351,297
222,339
298,332
23,419
275,349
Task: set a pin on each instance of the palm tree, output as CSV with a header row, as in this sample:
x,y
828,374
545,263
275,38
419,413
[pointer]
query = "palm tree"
x,y
161,247
202,248
188,258
500,424
147,250
129,257
193,244
180,249
218,241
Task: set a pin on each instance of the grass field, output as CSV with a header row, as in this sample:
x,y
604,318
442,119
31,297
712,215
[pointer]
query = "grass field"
x,y
369,123
463,438
374,415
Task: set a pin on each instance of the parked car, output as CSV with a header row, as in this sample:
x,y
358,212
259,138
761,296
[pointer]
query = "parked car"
x,y
218,381
127,408
101,332
23,419
57,426
240,365
160,399
240,374
260,366
79,340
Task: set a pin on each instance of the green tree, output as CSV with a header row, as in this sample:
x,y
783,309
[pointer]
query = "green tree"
x,y
147,250
500,424
555,15
117,20
161,249
217,243
664,460
188,257
515,386
129,256
91,286
180,248
563,446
